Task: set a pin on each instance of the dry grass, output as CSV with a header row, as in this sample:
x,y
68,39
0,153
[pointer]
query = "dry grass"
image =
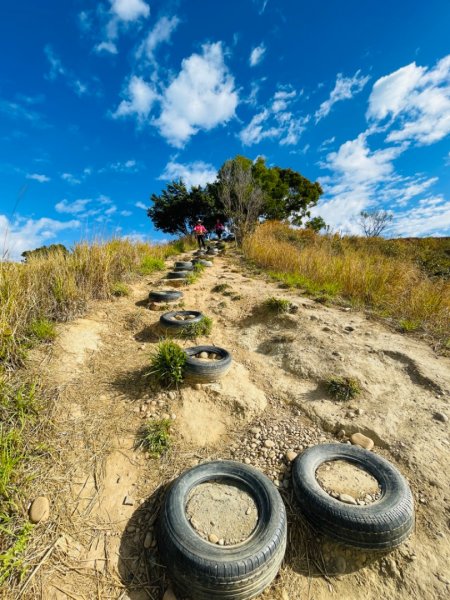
x,y
58,287
364,272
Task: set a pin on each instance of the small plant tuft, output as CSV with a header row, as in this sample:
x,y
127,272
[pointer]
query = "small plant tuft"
x,y
155,437
119,289
42,330
149,265
343,388
277,305
407,326
195,330
167,363
220,288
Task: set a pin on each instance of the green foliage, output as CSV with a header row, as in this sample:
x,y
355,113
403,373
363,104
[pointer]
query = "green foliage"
x,y
155,437
277,305
199,268
195,330
407,325
119,289
167,363
150,264
44,251
343,388
307,285
221,287
316,224
42,330
11,560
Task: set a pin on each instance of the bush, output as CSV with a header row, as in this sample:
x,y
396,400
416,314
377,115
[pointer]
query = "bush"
x,y
155,437
277,305
42,330
120,289
150,265
195,330
167,363
343,388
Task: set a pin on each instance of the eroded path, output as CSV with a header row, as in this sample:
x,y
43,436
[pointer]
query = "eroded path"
x,y
105,492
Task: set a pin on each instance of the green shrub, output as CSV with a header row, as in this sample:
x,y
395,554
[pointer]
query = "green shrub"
x,y
167,363
195,330
343,388
407,326
150,265
155,437
277,305
119,289
42,330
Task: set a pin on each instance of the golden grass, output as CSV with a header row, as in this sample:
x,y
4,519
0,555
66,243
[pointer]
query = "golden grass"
x,y
364,272
58,287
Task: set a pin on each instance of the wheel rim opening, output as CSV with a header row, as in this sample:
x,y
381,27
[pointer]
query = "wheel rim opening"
x,y
348,482
222,512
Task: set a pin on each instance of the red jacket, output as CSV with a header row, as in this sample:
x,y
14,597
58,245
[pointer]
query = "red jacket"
x,y
199,230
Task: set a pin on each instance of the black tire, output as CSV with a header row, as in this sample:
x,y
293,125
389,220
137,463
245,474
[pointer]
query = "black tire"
x,y
182,264
199,370
382,525
205,263
177,274
205,571
168,320
165,296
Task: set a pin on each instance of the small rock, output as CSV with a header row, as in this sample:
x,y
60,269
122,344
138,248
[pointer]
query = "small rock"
x,y
358,439
198,386
148,539
269,443
440,417
347,499
128,501
221,542
213,538
203,355
173,416
341,434
359,411
39,509
349,328
340,564
169,595
291,455
247,461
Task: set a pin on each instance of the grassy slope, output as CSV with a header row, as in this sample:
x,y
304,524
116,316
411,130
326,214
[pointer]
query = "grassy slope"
x,y
406,281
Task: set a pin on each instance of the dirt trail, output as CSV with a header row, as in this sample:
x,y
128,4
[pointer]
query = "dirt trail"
x,y
105,492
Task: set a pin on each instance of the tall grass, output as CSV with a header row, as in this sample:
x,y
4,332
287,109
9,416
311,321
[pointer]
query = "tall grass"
x,y
377,274
57,287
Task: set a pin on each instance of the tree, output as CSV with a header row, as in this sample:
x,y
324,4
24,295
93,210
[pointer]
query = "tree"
x,y
374,222
43,251
316,224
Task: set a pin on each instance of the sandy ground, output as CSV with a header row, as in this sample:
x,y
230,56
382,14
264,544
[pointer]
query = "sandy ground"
x,y
105,492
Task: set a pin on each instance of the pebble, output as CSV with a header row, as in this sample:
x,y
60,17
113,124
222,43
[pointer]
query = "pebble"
x,y
203,355
358,439
247,461
148,539
347,499
341,434
291,455
213,538
269,443
440,417
198,386
39,509
169,595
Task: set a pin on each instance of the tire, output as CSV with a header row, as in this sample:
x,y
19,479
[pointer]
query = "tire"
x,y
181,264
382,525
205,263
168,321
199,370
205,571
165,296
177,274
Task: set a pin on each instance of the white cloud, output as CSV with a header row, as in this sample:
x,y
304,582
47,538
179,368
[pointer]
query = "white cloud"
x,y
58,70
130,10
344,89
141,99
107,46
125,213
417,101
275,122
261,4
129,166
431,216
23,234
200,97
257,55
141,205
161,32
70,178
192,174
38,177
74,208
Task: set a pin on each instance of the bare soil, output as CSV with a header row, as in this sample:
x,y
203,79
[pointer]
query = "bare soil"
x,y
341,477
105,492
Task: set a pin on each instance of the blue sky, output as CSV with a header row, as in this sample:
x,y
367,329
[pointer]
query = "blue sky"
x,y
102,103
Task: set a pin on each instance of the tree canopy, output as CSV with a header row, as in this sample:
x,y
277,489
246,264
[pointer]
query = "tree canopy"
x,y
244,190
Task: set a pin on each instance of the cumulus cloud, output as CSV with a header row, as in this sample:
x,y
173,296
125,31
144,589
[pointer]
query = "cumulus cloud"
x,y
130,10
200,97
192,174
141,205
257,55
416,100
70,178
121,16
275,122
141,97
344,89
431,216
38,177
22,234
161,32
74,207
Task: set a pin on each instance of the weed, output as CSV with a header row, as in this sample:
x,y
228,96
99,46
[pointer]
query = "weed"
x,y
222,304
195,330
167,363
278,305
220,288
155,437
11,560
236,297
408,326
42,330
120,289
343,388
149,265
199,268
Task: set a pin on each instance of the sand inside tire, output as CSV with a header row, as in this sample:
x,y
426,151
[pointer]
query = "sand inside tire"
x,y
222,512
338,477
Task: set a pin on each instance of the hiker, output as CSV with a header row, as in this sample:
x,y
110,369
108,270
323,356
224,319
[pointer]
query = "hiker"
x,y
200,232
219,228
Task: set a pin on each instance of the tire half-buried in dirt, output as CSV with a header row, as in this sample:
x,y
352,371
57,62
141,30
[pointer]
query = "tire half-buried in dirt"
x,y
198,369
177,274
165,295
169,319
384,524
205,571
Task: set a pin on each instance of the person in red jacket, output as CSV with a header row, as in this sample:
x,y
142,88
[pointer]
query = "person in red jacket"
x,y
219,228
200,232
